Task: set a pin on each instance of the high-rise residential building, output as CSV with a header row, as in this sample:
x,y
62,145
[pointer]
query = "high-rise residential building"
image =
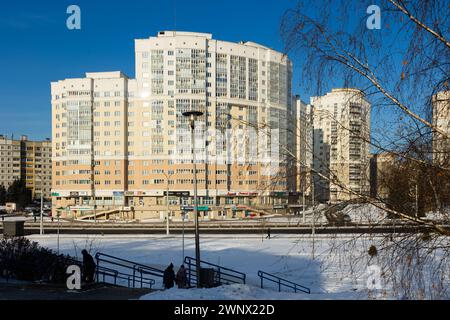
x,y
9,161
341,122
141,141
36,166
441,119
90,118
304,146
29,161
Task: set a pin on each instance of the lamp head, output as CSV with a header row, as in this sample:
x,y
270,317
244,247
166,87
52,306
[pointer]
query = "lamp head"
x,y
192,113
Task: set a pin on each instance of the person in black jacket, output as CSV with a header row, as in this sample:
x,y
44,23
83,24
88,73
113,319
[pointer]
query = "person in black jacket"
x,y
169,277
88,267
181,277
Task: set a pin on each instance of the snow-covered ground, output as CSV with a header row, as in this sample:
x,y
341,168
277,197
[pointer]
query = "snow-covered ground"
x,y
330,275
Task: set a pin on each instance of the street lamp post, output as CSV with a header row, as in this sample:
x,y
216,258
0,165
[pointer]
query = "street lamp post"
x,y
58,215
167,202
182,256
42,212
41,225
192,117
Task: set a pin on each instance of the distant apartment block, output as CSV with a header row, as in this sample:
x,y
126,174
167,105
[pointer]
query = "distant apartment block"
x,y
441,119
304,146
36,166
133,133
28,160
380,164
341,131
9,161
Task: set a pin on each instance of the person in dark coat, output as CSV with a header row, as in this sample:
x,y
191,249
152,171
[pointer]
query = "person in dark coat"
x,y
169,277
268,233
88,267
181,277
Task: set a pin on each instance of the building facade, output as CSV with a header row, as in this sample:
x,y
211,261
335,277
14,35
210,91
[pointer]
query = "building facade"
x,y
142,144
304,147
9,161
27,160
441,119
36,166
380,165
341,132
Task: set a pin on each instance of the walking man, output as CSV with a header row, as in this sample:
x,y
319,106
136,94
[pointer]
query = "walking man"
x,y
88,267
169,277
181,277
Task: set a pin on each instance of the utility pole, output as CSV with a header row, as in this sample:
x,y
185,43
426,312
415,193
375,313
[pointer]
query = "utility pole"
x,y
303,199
313,230
313,195
167,203
94,200
42,206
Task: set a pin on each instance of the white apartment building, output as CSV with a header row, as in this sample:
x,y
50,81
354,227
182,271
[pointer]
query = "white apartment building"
x,y
142,144
341,122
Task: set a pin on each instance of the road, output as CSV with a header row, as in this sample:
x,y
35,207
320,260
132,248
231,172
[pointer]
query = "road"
x,y
214,227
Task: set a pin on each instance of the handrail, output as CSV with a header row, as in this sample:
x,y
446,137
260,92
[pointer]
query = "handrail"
x,y
104,271
222,275
157,272
282,282
127,264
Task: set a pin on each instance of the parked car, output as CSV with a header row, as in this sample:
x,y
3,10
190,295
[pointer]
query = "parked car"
x,y
31,209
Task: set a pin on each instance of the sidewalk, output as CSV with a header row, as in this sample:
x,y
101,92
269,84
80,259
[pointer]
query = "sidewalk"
x,y
17,291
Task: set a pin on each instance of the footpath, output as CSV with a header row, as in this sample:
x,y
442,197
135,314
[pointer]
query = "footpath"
x,y
98,291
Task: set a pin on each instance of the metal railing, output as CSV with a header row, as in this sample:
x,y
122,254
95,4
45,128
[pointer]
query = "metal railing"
x,y
105,272
222,275
281,282
137,274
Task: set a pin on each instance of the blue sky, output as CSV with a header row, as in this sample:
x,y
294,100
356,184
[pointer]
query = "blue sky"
x,y
37,48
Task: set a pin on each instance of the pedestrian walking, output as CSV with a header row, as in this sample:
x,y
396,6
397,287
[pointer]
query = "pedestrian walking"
x,y
88,267
181,277
169,277
268,233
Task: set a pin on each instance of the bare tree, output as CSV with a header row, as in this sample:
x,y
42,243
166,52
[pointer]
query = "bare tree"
x,y
400,68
